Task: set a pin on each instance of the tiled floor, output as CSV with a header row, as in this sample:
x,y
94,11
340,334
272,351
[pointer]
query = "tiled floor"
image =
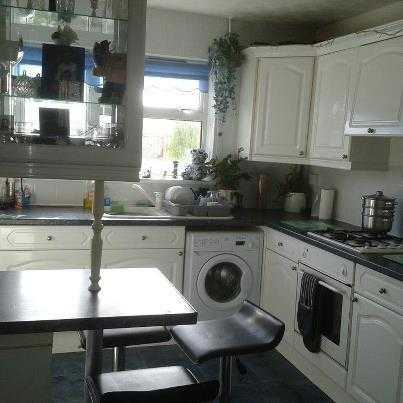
x,y
270,378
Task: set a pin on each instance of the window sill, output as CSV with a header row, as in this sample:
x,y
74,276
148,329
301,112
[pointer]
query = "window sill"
x,y
173,182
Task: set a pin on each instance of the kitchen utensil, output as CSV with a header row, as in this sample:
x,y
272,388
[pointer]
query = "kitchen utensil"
x,y
326,204
294,202
377,212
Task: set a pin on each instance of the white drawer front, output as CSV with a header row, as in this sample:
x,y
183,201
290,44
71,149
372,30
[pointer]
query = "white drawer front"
x,y
136,237
332,265
45,238
385,290
283,244
46,260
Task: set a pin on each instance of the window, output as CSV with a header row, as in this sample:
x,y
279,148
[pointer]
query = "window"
x,y
174,118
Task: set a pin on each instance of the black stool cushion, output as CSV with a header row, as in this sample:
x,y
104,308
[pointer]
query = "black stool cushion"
x,y
132,336
250,330
152,385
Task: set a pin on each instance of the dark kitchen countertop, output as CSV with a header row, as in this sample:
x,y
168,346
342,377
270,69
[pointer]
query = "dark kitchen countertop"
x,y
292,224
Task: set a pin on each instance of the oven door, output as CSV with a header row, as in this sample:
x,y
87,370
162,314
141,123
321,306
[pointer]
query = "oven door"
x,y
336,300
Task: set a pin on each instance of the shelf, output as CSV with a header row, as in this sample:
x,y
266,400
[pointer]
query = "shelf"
x,y
57,101
56,13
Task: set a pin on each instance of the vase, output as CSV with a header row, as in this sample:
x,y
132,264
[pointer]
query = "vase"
x,y
229,196
294,202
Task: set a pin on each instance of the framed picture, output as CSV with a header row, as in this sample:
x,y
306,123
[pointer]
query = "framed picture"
x,y
63,69
54,123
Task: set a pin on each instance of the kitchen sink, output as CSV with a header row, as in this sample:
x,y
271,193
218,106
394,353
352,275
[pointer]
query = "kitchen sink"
x,y
139,212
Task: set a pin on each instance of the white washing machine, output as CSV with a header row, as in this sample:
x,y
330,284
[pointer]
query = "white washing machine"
x,y
222,269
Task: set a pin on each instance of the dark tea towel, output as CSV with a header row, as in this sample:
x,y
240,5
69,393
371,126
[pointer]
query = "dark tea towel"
x,y
309,316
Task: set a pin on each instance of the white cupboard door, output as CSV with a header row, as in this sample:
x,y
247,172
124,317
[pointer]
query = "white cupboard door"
x,y
282,106
279,289
376,354
377,98
169,261
332,84
46,260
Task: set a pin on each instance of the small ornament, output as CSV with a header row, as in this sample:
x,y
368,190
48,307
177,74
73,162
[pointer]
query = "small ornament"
x,y
94,7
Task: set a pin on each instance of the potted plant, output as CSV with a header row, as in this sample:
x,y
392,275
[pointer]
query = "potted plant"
x,y
227,173
225,57
293,190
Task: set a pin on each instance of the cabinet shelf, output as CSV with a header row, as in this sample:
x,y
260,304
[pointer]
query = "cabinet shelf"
x,y
58,13
58,101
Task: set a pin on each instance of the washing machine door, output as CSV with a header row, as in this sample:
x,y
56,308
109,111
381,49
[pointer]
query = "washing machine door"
x,y
224,282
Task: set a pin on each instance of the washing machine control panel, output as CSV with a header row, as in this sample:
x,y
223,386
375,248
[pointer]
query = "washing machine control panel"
x,y
221,241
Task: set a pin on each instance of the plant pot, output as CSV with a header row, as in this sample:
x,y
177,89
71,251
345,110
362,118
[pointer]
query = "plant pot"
x,y
294,202
229,196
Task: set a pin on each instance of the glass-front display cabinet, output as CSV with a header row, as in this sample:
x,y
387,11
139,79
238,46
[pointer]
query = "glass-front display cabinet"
x,y
71,82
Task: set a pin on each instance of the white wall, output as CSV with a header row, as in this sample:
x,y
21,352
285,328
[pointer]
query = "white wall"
x,y
351,185
379,16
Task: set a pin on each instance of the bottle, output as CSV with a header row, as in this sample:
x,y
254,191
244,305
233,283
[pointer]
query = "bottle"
x,y
89,195
107,200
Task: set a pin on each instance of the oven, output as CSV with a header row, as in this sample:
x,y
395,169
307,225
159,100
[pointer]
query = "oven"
x,y
336,306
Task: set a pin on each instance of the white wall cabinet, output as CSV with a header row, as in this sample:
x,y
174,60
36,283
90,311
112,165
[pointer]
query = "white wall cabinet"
x,y
376,106
169,261
328,144
376,354
279,287
283,94
65,161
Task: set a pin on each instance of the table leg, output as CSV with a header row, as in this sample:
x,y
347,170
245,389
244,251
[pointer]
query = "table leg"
x,y
93,356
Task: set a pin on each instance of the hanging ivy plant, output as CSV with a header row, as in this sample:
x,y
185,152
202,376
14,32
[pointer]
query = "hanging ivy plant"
x,y
224,57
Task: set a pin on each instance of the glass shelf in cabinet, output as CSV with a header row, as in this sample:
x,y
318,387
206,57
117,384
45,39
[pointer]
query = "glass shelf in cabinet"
x,y
71,15
64,101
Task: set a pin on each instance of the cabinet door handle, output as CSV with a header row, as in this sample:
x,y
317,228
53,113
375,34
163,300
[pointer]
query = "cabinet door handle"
x,y
382,290
301,153
180,253
49,238
143,237
371,130
344,156
280,244
294,268
355,299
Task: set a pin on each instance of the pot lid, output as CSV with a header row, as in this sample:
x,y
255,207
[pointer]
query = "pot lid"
x,y
378,196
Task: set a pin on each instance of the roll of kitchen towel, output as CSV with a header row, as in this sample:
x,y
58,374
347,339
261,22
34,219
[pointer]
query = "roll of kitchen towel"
x,y
309,312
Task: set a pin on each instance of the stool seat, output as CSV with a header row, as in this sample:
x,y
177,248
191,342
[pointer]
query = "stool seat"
x,y
152,385
250,330
130,336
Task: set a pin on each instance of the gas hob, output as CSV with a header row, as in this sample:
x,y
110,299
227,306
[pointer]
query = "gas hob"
x,y
361,241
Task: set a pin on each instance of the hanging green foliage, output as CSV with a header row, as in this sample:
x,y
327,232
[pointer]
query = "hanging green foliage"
x,y
224,57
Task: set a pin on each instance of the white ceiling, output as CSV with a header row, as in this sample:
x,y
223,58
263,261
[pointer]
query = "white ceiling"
x,y
315,12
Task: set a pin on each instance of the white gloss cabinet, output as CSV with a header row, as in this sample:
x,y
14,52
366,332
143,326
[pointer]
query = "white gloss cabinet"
x,y
329,145
376,105
332,84
375,373
279,285
283,95
169,261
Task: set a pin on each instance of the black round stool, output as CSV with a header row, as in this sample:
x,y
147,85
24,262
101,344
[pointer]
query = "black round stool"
x,y
250,330
152,385
119,339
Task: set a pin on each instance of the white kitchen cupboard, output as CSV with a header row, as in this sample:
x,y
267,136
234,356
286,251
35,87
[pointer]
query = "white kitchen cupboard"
x,y
37,153
376,104
328,144
279,287
169,261
376,354
274,104
44,259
